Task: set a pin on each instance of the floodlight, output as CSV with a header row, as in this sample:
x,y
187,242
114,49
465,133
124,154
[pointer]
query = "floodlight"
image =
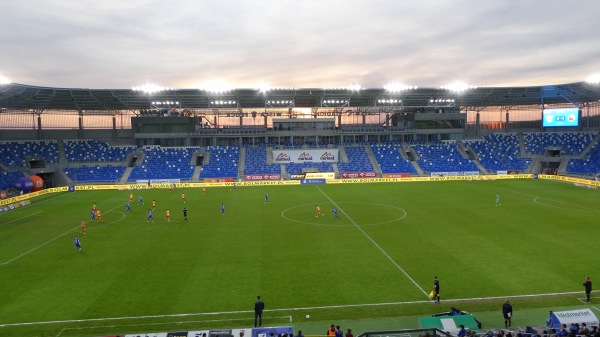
x,y
458,86
593,78
217,88
4,80
263,87
150,88
398,87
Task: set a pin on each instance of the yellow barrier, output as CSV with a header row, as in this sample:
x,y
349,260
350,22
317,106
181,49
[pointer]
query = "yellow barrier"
x,y
295,182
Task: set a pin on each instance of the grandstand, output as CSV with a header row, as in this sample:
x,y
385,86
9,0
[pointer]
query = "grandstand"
x,y
198,144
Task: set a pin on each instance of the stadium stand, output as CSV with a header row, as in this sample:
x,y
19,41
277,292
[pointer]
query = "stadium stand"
x,y
255,161
500,152
223,162
15,153
390,160
165,163
590,165
569,142
96,173
358,160
90,150
442,157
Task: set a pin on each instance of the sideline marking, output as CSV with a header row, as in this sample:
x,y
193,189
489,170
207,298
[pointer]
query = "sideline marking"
x,y
344,225
283,309
23,217
375,243
61,235
164,323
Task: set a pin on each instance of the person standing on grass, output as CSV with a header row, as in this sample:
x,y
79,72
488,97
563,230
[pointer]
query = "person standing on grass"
x,y
497,200
436,289
259,306
507,313
335,213
588,288
77,243
150,218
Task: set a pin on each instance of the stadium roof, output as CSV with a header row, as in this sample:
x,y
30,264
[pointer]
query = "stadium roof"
x,y
24,97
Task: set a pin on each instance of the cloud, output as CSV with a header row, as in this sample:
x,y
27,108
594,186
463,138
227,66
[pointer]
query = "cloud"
x,y
310,43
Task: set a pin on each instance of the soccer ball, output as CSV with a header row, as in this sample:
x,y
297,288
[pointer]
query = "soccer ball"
x,y
307,316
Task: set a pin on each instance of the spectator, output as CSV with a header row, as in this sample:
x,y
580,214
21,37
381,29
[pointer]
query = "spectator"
x,y
331,330
563,331
584,329
299,334
338,332
462,332
349,333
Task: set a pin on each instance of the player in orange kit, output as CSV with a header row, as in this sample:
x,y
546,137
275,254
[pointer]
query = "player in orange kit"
x,y
318,211
98,216
168,216
83,226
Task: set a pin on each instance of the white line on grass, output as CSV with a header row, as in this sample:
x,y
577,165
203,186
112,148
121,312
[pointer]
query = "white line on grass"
x,y
583,300
23,217
375,243
58,237
164,323
535,197
283,309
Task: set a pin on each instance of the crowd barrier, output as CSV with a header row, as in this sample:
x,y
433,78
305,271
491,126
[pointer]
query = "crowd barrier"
x,y
577,181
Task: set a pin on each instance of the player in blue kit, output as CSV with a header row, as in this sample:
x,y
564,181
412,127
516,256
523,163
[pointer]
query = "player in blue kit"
x,y
335,212
266,198
222,209
93,212
77,243
150,218
140,200
128,207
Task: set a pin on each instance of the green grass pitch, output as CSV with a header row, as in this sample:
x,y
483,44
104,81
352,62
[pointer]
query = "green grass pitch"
x,y
377,260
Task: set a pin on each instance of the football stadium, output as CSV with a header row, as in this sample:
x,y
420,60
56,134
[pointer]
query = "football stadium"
x,y
396,211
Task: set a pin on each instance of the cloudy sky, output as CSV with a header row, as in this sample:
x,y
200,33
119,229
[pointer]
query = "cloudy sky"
x,y
298,43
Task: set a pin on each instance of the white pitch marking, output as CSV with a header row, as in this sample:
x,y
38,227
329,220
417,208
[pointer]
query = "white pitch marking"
x,y
27,216
375,243
61,235
285,309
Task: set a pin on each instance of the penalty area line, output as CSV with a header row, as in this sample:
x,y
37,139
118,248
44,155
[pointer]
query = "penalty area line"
x,y
285,309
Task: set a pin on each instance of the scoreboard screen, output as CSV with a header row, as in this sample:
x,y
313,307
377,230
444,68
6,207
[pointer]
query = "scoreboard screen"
x,y
560,117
